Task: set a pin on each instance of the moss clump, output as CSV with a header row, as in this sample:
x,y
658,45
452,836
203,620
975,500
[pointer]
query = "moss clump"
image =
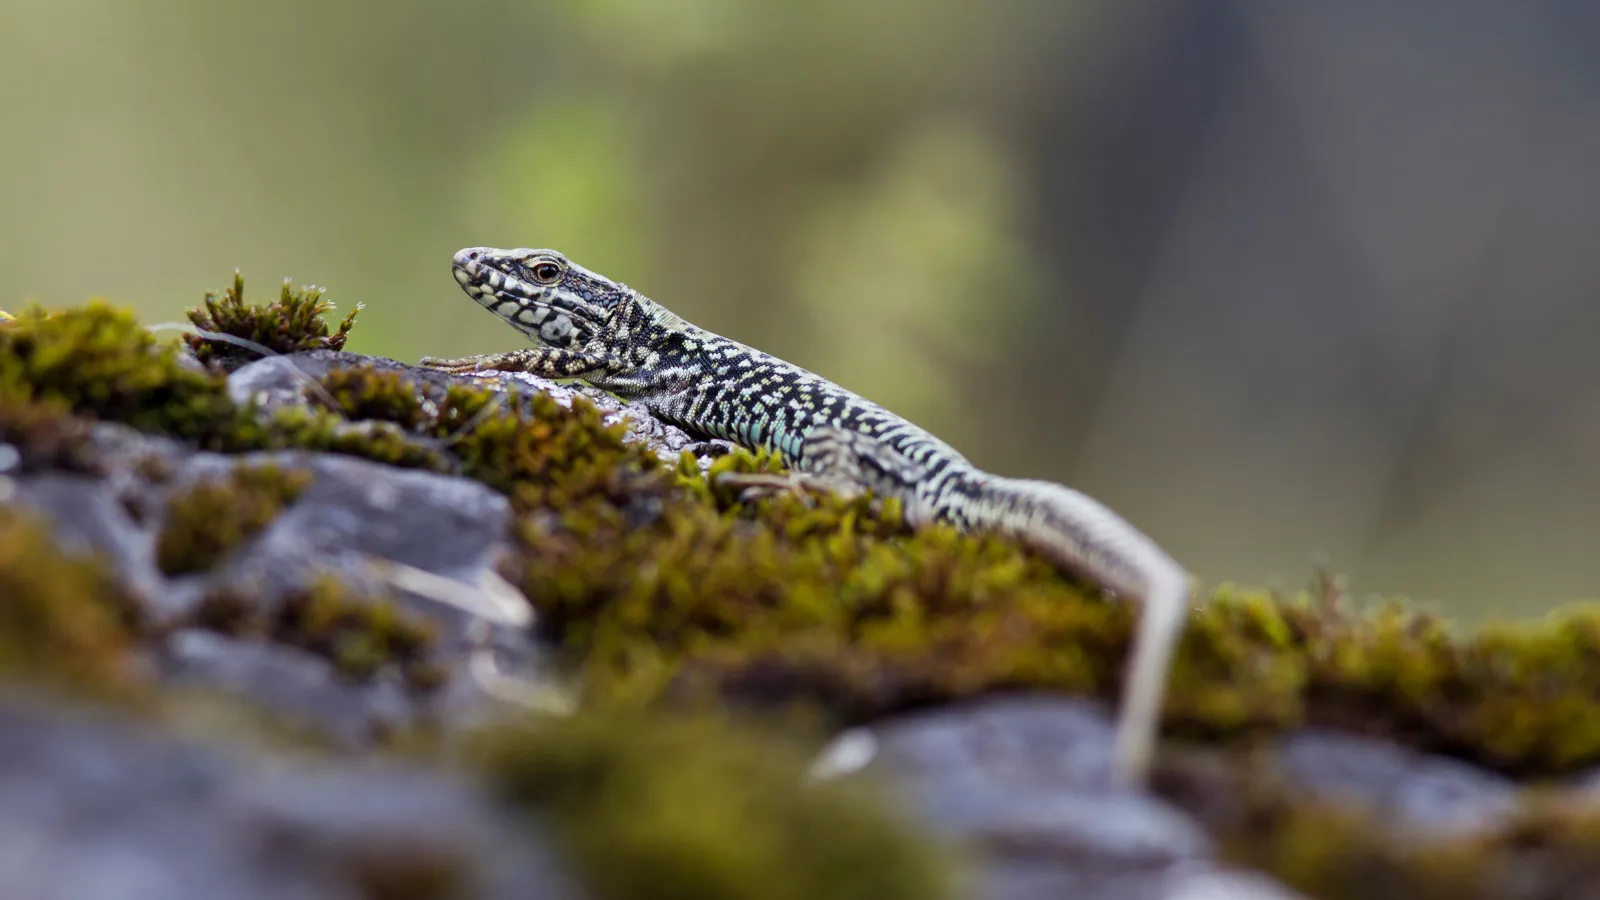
x,y
540,453
1522,699
363,393
359,634
695,810
420,408
44,435
63,619
808,598
291,324
546,456
213,517
98,363
304,428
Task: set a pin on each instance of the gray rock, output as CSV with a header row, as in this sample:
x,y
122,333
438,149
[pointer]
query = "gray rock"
x,y
97,808
354,511
353,514
281,380
87,514
1419,794
289,683
1027,779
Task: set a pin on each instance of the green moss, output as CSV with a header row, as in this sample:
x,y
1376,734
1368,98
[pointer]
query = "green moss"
x,y
96,362
795,597
533,449
362,393
544,455
807,598
292,324
63,619
215,516
305,428
1521,699
359,634
829,603
99,363
691,809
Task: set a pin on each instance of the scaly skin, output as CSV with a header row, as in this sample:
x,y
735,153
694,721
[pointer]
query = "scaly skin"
x,y
588,327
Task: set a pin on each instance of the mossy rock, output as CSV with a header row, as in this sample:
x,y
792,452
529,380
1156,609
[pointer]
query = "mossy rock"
x,y
834,605
668,590
664,586
64,621
358,633
215,516
98,363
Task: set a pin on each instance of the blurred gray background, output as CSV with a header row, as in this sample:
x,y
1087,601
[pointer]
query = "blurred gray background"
x,y
1287,283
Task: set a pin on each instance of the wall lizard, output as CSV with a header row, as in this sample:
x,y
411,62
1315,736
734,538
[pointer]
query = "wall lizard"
x,y
587,327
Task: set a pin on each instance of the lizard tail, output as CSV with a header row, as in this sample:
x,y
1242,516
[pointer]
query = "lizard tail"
x,y
1086,538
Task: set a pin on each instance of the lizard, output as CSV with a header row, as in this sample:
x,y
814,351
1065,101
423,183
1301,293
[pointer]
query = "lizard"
x,y
586,327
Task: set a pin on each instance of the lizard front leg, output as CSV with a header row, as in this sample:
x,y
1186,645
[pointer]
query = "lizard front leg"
x,y
548,362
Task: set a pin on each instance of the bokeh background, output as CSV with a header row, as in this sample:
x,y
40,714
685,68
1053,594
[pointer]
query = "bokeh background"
x,y
1290,284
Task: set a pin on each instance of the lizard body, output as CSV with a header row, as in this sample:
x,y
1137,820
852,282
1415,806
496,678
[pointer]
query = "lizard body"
x,y
588,327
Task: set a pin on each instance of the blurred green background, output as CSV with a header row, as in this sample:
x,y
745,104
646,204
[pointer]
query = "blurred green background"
x,y
1286,284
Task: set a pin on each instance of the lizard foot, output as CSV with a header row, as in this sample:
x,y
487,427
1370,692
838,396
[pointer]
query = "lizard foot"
x,y
462,366
755,485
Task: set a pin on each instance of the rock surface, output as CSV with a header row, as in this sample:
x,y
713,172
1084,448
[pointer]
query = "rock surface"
x,y
95,806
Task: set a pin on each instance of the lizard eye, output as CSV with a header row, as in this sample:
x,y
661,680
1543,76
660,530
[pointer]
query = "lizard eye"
x,y
546,272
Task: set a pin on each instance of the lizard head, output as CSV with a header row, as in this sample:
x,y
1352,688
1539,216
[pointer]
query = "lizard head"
x,y
544,295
